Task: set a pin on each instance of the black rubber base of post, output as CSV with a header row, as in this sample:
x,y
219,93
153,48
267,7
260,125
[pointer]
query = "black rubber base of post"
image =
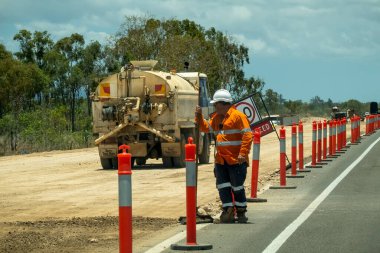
x,y
321,163
313,166
340,152
355,143
191,247
333,156
303,170
295,176
282,187
257,200
327,160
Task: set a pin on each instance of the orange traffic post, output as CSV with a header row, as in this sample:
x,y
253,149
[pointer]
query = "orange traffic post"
x,y
334,138
191,202
344,133
330,137
300,145
339,136
324,146
314,147
300,149
125,200
282,163
358,136
255,167
319,143
367,125
294,153
353,126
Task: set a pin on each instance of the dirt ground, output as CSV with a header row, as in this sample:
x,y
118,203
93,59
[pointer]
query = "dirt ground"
x,y
63,201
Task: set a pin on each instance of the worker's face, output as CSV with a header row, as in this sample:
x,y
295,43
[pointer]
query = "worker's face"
x,y
221,108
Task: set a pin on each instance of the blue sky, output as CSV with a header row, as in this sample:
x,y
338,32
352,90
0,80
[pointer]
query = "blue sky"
x,y
301,48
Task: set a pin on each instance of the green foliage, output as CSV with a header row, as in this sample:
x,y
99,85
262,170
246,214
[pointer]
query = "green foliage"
x,y
173,42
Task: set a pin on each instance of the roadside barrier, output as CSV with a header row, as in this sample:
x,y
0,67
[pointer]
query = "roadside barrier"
x,y
330,138
339,135
366,125
255,167
191,202
314,163
283,163
334,137
125,200
353,130
319,151
324,155
300,146
294,153
314,145
344,132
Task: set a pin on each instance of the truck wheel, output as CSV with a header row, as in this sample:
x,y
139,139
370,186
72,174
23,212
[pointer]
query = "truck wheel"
x,y
179,162
167,162
115,163
106,163
204,156
140,161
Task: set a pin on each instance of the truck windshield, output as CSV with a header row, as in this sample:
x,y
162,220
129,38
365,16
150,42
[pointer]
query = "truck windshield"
x,y
204,92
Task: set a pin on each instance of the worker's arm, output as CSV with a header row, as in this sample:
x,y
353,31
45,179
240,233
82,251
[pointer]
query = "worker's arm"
x,y
204,126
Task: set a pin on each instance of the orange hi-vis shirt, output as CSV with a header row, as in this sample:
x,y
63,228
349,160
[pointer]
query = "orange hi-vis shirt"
x,y
233,135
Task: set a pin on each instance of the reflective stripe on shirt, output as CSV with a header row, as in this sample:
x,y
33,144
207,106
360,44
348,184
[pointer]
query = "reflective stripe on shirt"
x,y
228,143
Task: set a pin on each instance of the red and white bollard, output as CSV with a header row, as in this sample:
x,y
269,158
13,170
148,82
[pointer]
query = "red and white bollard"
x,y
344,132
330,138
353,129
255,167
294,153
334,137
191,202
324,153
339,136
125,200
319,150
300,146
314,145
283,163
300,149
366,125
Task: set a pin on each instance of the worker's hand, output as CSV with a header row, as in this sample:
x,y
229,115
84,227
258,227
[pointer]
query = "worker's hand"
x,y
198,112
241,159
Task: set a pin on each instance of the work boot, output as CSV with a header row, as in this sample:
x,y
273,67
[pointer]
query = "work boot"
x,y
241,218
227,216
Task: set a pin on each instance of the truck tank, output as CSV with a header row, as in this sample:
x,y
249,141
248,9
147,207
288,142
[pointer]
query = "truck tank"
x,y
151,111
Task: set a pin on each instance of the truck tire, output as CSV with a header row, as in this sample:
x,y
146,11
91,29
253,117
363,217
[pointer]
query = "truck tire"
x,y
167,162
106,163
204,156
140,161
115,163
179,162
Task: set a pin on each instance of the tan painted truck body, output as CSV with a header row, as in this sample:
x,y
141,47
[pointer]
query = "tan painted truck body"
x,y
151,111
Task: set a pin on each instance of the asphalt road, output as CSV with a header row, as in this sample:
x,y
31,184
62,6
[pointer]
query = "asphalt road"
x,y
333,209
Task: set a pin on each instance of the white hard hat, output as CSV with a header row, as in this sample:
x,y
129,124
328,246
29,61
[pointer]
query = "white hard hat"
x,y
221,95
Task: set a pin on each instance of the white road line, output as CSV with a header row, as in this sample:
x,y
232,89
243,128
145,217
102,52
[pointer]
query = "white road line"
x,y
289,230
172,240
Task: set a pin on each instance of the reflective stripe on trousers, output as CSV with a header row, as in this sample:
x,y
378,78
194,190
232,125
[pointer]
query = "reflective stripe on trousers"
x,y
230,180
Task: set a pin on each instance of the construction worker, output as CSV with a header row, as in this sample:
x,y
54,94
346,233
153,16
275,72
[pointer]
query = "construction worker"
x,y
233,139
